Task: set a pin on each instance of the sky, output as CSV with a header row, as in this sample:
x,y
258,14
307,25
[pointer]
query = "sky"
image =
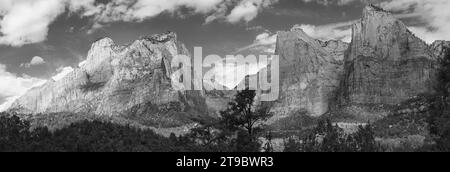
x,y
46,39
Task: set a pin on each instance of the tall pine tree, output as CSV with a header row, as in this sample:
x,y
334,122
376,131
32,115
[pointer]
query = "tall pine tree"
x,y
245,118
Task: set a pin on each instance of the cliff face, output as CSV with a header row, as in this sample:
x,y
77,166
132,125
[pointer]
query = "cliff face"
x,y
386,63
439,48
309,72
129,81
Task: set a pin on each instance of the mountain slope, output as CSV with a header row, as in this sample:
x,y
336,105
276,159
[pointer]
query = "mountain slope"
x,y
121,81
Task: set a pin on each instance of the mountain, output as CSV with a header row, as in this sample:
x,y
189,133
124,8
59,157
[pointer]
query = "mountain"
x,y
309,72
131,81
386,63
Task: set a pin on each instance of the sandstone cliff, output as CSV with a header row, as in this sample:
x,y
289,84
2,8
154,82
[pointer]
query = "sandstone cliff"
x,y
128,81
309,72
386,64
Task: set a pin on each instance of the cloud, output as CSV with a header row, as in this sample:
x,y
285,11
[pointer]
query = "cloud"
x,y
240,10
434,13
232,11
85,7
264,43
334,2
27,21
13,86
328,32
36,60
229,76
247,10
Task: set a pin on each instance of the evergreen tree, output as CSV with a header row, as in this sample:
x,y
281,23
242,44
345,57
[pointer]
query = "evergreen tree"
x,y
439,118
243,114
268,147
328,138
244,118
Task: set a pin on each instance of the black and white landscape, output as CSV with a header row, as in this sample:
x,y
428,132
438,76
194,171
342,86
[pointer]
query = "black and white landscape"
x,y
351,76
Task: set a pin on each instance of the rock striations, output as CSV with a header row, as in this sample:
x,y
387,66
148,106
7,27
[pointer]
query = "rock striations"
x,y
386,63
309,71
129,81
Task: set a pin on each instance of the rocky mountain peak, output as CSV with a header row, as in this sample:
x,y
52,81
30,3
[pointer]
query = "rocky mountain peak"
x,y
298,33
371,8
121,81
312,52
160,38
375,16
380,35
103,42
386,63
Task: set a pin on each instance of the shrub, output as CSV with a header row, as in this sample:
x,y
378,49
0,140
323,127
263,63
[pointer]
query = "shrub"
x,y
328,138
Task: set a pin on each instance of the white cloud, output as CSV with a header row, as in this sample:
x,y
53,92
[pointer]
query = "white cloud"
x,y
36,60
337,2
150,8
246,11
434,12
327,32
13,86
229,75
264,42
86,7
27,21
266,38
122,10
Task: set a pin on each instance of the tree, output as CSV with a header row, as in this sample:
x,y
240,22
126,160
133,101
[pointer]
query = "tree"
x,y
244,114
268,147
17,135
439,118
328,138
364,139
209,139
